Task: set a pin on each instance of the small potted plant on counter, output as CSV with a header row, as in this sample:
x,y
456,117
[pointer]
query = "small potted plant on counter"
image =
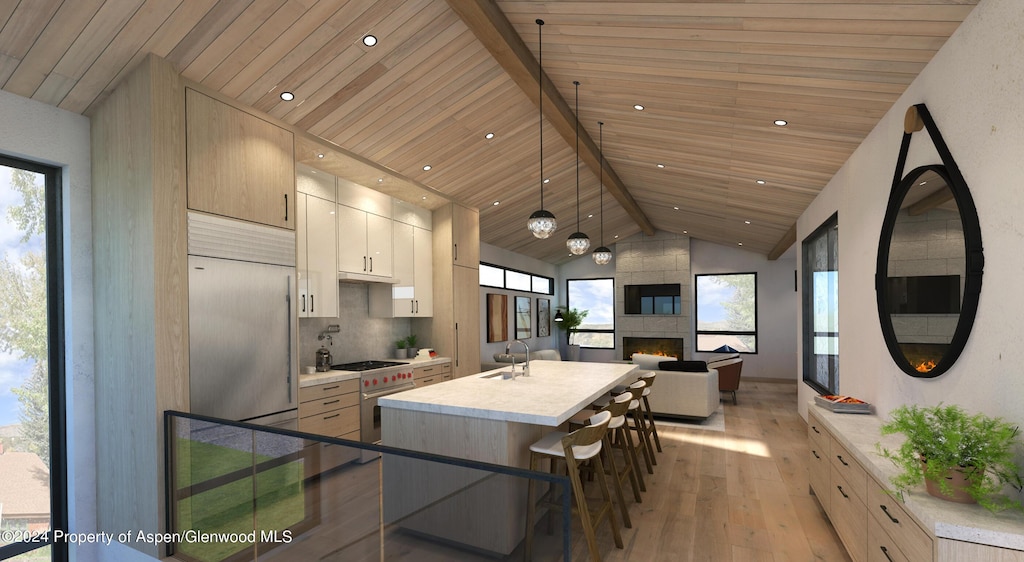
x,y
410,343
960,457
400,351
571,319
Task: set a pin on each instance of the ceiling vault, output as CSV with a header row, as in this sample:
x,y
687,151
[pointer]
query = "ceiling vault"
x,y
497,34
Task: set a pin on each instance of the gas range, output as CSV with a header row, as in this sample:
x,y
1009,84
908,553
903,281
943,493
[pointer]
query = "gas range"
x,y
380,376
366,365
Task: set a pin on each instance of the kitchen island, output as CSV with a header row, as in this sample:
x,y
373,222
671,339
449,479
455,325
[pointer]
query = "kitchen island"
x,y
482,417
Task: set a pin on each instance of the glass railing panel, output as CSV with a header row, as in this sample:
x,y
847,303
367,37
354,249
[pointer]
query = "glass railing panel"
x,y
242,492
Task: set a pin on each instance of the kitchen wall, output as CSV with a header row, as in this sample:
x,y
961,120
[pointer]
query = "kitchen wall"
x,y
43,133
505,258
777,305
972,88
361,336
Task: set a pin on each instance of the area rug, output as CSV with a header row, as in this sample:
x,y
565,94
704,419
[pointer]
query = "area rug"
x,y
714,422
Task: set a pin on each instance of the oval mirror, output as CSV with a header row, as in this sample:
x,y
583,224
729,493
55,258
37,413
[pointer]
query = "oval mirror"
x,y
928,271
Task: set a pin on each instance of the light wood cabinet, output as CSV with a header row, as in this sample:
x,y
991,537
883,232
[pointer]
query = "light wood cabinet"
x,y
238,165
332,409
848,515
426,376
317,241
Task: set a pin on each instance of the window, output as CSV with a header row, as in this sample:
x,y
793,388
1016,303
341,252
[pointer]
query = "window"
x,y
31,362
727,312
597,297
820,303
514,280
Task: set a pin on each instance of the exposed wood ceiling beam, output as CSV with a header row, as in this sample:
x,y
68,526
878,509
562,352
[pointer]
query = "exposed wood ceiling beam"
x,y
787,240
493,29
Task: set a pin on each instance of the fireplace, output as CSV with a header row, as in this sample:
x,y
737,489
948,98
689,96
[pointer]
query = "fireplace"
x,y
924,356
652,346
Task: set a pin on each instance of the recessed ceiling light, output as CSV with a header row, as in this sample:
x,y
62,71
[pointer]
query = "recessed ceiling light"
x,y
546,180
380,180
287,96
426,168
781,122
760,182
684,232
676,208
369,40
661,165
590,216
638,107
489,136
740,243
616,235
922,183
424,197
319,154
746,222
496,203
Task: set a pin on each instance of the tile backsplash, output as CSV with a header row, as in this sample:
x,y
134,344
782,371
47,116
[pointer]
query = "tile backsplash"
x,y
361,337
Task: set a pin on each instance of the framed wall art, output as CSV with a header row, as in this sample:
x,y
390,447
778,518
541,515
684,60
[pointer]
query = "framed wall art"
x,y
543,317
497,317
524,317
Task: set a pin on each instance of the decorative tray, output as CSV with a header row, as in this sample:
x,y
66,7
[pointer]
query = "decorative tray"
x,y
843,404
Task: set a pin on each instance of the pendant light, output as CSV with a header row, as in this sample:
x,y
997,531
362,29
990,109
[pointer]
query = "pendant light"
x,y
602,255
578,243
541,223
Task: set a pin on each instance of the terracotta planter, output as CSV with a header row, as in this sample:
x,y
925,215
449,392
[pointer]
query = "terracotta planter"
x,y
958,484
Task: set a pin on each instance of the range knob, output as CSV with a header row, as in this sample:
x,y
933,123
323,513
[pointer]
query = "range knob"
x,y
393,378
374,382
366,383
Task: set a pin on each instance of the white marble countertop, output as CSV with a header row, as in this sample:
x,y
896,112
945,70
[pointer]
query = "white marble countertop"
x,y
946,520
554,391
338,376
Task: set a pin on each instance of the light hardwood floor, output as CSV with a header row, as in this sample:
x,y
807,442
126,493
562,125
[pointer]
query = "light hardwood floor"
x,y
740,496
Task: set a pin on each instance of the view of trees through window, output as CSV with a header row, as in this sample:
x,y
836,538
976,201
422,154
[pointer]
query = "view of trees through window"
x,y
24,370
821,307
727,312
597,297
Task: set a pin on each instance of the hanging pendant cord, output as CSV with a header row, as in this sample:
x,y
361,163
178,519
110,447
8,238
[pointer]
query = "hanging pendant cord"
x,y
540,103
577,155
600,182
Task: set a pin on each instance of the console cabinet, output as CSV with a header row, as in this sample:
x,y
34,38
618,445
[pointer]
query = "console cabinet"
x,y
850,482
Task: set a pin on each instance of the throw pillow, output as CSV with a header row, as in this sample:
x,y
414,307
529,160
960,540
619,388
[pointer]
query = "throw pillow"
x,y
685,366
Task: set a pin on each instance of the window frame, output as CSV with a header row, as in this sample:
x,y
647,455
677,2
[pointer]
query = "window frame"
x,y
533,277
807,313
696,315
568,304
59,515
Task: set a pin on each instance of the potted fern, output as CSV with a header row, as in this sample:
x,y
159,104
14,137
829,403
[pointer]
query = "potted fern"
x,y
960,457
400,351
570,323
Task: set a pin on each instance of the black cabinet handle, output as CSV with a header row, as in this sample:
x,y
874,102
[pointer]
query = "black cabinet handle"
x,y
331,402
303,303
815,429
331,416
815,453
889,515
456,257
326,388
285,207
311,307
371,264
840,488
840,457
885,551
364,263
412,307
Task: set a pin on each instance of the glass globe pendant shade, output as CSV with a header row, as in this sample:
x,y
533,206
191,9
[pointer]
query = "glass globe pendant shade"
x,y
578,243
542,223
602,255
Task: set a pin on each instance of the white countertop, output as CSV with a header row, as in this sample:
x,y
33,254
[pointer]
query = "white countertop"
x,y
338,376
947,520
554,391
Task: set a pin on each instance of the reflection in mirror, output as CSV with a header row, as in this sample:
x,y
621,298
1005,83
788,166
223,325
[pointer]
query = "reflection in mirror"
x,y
925,277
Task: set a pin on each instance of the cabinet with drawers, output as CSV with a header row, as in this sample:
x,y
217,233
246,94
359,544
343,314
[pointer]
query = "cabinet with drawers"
x,y
332,409
426,376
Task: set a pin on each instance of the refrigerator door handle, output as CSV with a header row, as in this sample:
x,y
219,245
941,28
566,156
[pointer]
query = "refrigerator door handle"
x,y
288,314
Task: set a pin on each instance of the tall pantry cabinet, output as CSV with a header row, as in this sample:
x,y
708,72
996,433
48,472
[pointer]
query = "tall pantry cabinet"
x,y
455,328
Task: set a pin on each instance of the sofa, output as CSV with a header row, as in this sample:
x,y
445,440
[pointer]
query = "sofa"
x,y
504,360
681,394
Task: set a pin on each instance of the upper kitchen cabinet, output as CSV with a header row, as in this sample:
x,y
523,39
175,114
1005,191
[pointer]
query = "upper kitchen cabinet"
x,y
317,241
412,294
238,165
457,235
364,231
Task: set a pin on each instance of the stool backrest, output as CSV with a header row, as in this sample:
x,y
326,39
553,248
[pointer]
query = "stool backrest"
x,y
587,435
648,378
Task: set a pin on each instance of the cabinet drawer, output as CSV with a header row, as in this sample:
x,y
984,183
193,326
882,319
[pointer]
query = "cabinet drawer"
x,y
307,393
818,468
432,370
427,381
816,434
904,531
849,516
332,423
327,403
881,547
852,471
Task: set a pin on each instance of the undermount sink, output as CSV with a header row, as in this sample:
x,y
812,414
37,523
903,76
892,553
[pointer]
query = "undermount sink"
x,y
500,374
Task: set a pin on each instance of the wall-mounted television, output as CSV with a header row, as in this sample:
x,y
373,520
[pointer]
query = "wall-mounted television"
x,y
652,299
923,294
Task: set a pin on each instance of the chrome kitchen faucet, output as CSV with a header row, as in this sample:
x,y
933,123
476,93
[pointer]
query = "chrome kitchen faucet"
x,y
526,366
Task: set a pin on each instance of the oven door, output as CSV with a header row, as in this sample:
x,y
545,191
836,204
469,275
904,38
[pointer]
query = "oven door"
x,y
369,412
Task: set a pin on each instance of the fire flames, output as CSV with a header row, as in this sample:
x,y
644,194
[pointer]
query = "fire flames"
x,y
657,352
925,366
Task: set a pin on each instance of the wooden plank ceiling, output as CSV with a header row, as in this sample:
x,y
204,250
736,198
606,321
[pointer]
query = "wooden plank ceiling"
x,y
711,75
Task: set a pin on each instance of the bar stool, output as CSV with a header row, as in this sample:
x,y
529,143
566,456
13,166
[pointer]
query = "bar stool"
x,y
615,438
625,436
648,378
580,445
640,424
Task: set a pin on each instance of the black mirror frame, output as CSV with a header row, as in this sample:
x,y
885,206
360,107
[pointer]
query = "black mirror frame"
x,y
918,117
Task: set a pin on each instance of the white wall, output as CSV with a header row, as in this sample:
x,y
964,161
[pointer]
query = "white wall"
x,y
505,258
43,133
973,90
777,305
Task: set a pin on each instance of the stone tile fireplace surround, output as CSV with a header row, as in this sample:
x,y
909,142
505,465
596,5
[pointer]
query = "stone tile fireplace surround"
x,y
649,260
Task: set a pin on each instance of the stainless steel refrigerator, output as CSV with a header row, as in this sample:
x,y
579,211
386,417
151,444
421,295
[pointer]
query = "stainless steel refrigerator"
x,y
242,329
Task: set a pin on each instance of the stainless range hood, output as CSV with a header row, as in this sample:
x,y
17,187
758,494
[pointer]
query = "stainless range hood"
x,y
346,277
